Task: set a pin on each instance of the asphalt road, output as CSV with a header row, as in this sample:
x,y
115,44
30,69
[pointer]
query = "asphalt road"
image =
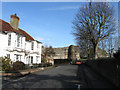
x,y
63,76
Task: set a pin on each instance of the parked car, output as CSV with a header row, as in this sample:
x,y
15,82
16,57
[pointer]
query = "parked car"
x,y
78,62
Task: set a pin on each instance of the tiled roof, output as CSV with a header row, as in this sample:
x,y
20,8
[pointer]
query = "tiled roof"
x,y
28,37
5,26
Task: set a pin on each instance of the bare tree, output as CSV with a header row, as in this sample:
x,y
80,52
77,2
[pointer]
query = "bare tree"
x,y
94,22
47,52
112,45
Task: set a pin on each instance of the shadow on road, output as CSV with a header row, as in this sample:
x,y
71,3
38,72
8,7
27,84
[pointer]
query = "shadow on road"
x,y
43,80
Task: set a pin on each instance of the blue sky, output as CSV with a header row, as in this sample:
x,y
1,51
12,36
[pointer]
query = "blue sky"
x,y
48,22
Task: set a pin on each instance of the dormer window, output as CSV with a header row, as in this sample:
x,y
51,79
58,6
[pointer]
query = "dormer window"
x,y
9,39
32,46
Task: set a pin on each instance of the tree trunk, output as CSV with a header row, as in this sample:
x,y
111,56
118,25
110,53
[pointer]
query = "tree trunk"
x,y
94,51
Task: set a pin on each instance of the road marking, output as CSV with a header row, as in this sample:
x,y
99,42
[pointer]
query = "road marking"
x,y
78,86
20,78
58,66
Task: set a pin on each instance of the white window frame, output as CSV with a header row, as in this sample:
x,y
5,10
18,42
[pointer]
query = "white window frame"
x,y
18,40
32,46
9,39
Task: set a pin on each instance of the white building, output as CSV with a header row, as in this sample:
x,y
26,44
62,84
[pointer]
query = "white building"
x,y
17,44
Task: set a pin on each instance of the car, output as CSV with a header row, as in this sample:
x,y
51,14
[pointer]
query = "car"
x,y
78,62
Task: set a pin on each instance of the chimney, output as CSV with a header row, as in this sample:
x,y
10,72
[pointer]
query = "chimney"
x,y
14,21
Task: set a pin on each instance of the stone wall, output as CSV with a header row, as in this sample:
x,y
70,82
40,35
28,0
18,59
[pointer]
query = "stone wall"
x,y
61,53
70,52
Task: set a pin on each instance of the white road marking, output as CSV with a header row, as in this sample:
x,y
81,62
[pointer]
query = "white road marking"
x,y
58,66
20,78
78,86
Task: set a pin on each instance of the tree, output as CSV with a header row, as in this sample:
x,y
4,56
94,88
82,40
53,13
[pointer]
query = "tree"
x,y
47,52
94,22
5,64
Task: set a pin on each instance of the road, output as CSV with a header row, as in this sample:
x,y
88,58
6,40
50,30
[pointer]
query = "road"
x,y
63,76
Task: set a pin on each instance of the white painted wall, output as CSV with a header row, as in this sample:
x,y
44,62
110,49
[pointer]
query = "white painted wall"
x,y
3,44
13,50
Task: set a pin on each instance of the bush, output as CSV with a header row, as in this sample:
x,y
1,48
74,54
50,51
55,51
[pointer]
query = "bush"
x,y
5,64
27,66
18,65
73,61
43,60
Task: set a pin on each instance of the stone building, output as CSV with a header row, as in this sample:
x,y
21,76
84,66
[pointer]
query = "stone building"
x,y
61,53
71,52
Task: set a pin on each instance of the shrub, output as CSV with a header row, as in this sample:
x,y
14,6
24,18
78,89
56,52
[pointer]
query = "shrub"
x,y
5,64
27,67
43,60
73,61
18,65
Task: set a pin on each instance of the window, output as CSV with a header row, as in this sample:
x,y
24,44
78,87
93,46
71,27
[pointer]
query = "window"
x,y
17,56
8,56
31,59
9,39
37,45
18,41
32,46
37,58
21,41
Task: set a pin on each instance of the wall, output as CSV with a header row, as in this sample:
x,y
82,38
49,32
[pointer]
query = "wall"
x,y
23,50
106,67
61,53
3,43
70,52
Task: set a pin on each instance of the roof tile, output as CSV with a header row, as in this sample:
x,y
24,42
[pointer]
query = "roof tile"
x,y
5,26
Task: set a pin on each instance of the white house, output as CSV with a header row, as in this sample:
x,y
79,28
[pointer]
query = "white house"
x,y
18,45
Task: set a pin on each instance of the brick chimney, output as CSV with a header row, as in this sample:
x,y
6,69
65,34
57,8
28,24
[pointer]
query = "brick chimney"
x,y
14,21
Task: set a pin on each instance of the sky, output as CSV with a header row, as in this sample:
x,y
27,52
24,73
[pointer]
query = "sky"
x,y
47,22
